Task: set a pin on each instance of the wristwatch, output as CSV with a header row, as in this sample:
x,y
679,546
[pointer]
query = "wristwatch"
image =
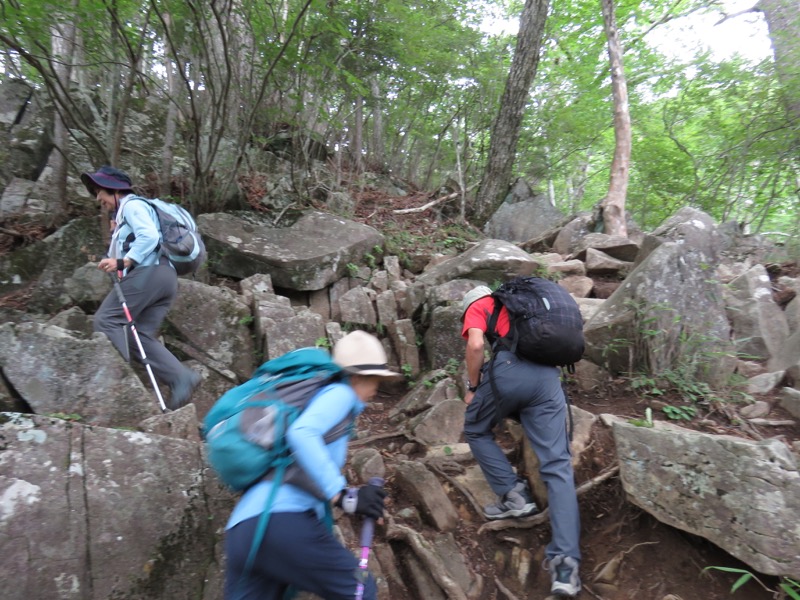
x,y
471,387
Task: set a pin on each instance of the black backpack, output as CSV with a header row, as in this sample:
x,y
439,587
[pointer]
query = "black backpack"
x,y
546,325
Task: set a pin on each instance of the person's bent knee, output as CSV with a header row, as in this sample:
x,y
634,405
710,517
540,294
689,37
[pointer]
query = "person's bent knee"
x,y
100,324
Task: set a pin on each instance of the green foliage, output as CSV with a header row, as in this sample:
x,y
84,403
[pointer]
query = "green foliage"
x,y
429,382
246,320
408,371
452,366
680,413
648,385
66,416
790,587
706,133
323,342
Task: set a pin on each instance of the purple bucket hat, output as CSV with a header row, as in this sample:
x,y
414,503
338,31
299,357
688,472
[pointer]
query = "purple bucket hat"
x,y
108,178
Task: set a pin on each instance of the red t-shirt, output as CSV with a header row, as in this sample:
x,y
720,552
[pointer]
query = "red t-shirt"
x,y
477,317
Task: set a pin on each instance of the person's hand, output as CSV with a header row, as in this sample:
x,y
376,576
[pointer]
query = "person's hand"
x,y
468,397
109,265
366,500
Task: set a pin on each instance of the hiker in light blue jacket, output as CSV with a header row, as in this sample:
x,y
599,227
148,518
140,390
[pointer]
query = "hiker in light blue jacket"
x,y
149,283
299,550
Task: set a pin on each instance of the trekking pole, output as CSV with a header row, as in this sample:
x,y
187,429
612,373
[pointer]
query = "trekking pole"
x,y
118,289
366,542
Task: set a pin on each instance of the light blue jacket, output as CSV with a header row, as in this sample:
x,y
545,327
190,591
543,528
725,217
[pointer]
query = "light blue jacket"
x,y
140,219
322,462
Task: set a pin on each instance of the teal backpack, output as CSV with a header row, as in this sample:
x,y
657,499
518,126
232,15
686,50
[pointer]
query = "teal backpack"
x,y
245,429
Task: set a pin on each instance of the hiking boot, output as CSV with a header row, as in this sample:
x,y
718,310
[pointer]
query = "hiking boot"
x,y
516,502
564,575
182,390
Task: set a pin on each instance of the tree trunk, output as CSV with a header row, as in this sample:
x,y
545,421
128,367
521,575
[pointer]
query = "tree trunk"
x,y
613,205
378,148
63,45
783,21
168,153
505,132
358,135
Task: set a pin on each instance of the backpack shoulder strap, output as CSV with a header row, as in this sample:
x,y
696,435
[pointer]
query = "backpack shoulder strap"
x,y
510,340
491,323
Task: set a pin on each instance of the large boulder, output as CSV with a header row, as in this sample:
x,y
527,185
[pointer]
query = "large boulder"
x,y
312,253
97,513
668,314
488,262
59,371
743,496
760,327
216,322
523,215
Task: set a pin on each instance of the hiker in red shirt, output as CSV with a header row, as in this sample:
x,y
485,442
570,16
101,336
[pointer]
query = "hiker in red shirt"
x,y
531,394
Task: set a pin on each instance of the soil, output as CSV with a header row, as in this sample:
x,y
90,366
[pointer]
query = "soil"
x,y
656,561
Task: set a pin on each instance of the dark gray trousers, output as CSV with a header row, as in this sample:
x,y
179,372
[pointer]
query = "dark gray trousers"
x,y
531,394
298,551
149,292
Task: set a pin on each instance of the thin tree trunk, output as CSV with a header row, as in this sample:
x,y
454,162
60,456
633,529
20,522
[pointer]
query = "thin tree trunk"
x,y
358,135
63,42
613,206
505,133
168,149
460,168
377,148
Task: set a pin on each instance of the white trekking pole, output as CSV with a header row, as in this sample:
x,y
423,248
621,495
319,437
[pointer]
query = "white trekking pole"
x,y
118,289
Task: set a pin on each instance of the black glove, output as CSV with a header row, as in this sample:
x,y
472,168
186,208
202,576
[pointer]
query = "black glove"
x,y
366,500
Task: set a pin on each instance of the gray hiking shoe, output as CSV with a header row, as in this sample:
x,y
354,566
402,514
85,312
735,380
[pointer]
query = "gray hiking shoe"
x,y
516,502
181,392
564,575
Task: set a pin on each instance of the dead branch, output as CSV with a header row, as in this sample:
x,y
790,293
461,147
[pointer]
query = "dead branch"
x,y
431,204
379,436
280,215
11,232
424,207
422,549
771,422
543,517
607,572
752,9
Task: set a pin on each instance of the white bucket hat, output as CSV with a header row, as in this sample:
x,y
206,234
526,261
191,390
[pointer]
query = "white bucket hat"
x,y
473,295
360,353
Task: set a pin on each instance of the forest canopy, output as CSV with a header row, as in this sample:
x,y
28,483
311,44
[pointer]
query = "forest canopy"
x,y
413,89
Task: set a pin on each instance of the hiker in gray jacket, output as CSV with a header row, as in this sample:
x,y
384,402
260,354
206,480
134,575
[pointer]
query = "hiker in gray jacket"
x,y
148,281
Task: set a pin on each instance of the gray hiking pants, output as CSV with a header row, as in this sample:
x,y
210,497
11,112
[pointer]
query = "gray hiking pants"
x,y
149,292
531,394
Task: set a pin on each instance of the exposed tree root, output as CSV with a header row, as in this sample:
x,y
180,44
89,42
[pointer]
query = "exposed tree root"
x,y
427,555
475,504
504,590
